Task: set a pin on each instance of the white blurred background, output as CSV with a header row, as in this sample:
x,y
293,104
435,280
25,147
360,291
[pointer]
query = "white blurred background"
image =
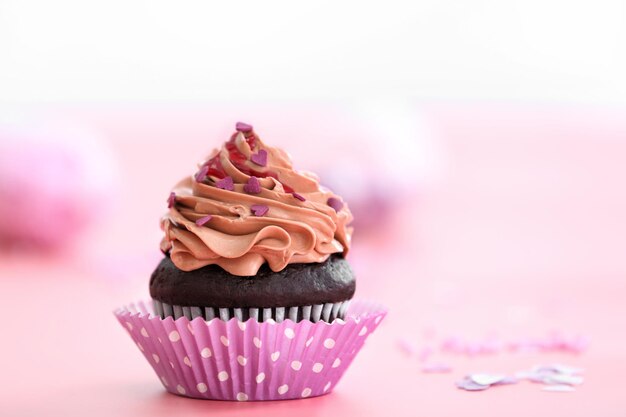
x,y
72,50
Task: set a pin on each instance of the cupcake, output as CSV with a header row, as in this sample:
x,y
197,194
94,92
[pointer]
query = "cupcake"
x,y
251,300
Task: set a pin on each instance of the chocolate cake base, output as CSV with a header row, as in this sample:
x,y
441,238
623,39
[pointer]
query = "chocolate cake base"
x,y
297,285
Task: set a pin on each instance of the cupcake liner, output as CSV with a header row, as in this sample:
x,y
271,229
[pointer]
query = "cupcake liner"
x,y
325,312
247,360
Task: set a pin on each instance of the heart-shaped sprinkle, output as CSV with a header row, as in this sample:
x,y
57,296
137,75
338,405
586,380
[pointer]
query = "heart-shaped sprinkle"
x,y
259,158
226,183
335,203
259,210
468,385
201,175
202,221
243,127
298,196
171,200
486,379
252,186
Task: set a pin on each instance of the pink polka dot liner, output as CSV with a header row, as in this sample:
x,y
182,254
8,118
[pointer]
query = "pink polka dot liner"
x,y
247,360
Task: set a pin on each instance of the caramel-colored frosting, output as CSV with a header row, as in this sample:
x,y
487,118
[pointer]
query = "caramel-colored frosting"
x,y
239,226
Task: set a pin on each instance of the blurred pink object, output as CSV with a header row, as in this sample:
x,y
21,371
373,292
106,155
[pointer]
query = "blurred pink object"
x,y
54,181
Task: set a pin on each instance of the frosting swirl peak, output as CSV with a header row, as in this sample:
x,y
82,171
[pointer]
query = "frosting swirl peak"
x,y
246,206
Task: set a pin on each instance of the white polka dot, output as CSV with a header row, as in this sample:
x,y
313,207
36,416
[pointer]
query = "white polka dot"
x,y
129,325
257,342
172,365
378,319
329,343
308,342
187,361
242,360
242,397
164,381
156,358
327,386
206,353
223,376
275,356
306,392
140,346
260,377
224,340
159,339
202,387
283,389
317,368
290,333
180,389
174,336
363,331
296,365
242,325
336,363
144,332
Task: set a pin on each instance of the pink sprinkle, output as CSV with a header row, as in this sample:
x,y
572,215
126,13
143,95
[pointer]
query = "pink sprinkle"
x,y
406,346
260,158
243,127
425,353
298,196
436,368
202,221
171,200
226,184
201,175
259,210
335,203
252,186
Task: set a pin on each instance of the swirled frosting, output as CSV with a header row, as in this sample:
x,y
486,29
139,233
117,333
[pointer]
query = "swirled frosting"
x,y
246,206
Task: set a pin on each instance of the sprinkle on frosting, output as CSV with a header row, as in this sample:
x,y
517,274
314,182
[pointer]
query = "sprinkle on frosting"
x,y
201,175
171,200
203,220
260,220
335,203
252,186
260,158
243,127
259,210
226,184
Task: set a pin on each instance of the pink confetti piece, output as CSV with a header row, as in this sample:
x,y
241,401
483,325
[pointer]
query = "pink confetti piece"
x,y
259,210
259,158
226,183
335,203
407,347
171,200
298,196
425,353
204,220
201,175
243,127
436,368
253,186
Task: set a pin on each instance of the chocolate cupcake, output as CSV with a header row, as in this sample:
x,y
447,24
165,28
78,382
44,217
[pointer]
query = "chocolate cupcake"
x,y
248,236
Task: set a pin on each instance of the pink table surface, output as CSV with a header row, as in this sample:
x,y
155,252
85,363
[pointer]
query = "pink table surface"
x,y
522,233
